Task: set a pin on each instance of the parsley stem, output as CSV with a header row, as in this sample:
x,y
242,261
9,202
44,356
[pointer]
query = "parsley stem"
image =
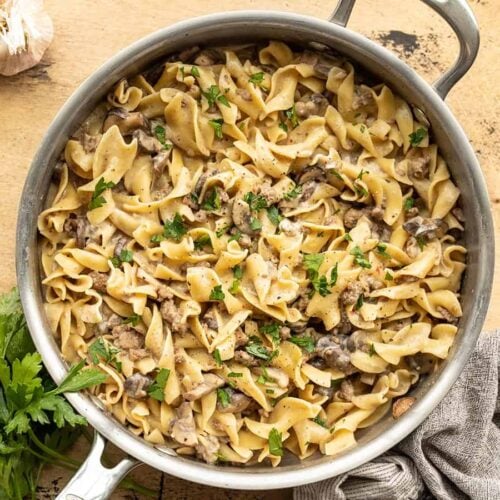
x,y
52,453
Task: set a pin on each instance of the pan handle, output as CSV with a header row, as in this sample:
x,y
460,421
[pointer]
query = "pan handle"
x,y
93,481
459,16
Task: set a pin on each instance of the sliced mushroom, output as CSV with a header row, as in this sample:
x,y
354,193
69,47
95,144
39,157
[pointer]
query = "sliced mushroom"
x,y
208,57
402,405
333,354
313,173
136,385
208,448
160,161
238,402
147,143
312,105
429,229
126,122
183,426
209,384
290,228
242,216
245,359
77,227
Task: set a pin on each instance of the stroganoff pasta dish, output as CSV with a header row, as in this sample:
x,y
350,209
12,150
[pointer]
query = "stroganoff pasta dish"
x,y
259,246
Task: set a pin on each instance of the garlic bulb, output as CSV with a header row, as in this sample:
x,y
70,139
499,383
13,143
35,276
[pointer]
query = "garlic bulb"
x,y
25,33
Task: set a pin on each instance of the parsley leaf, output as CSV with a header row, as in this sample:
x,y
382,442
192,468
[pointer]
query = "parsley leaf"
x,y
293,193
195,71
421,242
334,275
223,397
258,351
291,114
174,229
273,214
347,237
359,302
418,136
78,379
359,258
372,350
382,250
202,242
101,350
255,202
307,343
97,200
388,276
238,272
217,293
275,443
211,200
157,389
217,126
255,224
133,320
236,236
408,204
257,78
283,126
213,95
271,329
235,374
125,256
312,262
160,135
218,359
264,377
320,421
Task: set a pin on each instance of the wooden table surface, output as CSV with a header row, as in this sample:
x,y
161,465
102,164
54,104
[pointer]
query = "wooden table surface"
x,y
88,32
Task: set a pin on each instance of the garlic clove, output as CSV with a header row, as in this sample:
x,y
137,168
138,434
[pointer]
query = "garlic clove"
x,y
26,31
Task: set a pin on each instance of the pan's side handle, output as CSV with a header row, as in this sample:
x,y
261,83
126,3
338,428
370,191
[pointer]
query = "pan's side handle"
x,y
93,481
459,16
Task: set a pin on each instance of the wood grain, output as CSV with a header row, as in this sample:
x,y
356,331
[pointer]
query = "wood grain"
x,y
88,32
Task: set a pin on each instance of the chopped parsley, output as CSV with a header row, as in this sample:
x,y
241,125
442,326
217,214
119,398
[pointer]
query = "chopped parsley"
x,y
408,204
273,214
257,350
238,275
202,242
418,136
359,302
174,229
255,202
264,377
382,250
160,135
275,443
421,242
257,78
217,293
223,230
388,276
361,173
218,359
283,126
236,236
125,256
347,237
307,343
235,374
195,71
372,350
255,224
97,200
271,329
157,389
217,126
211,200
101,350
312,262
223,397
132,320
337,174
214,95
336,383
359,258
293,193
320,421
360,190
291,114
334,274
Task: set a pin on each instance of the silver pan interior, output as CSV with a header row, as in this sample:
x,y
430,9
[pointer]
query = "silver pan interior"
x,y
305,31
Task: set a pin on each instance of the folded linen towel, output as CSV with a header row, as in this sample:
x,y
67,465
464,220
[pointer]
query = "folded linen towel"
x,y
454,454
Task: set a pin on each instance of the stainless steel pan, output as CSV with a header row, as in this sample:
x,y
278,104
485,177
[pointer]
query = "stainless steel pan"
x,y
95,481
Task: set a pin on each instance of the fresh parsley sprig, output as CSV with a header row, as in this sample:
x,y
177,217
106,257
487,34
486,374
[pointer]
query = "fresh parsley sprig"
x,y
97,200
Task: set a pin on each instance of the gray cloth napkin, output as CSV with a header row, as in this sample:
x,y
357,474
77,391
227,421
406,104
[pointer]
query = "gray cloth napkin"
x,y
453,455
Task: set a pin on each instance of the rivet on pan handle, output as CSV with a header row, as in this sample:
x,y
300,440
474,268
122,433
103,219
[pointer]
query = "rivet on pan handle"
x,y
459,16
93,481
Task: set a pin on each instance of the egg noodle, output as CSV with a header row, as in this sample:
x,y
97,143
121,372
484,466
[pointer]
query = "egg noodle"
x,y
259,249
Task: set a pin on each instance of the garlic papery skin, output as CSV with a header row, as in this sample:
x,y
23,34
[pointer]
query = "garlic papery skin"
x,y
26,31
